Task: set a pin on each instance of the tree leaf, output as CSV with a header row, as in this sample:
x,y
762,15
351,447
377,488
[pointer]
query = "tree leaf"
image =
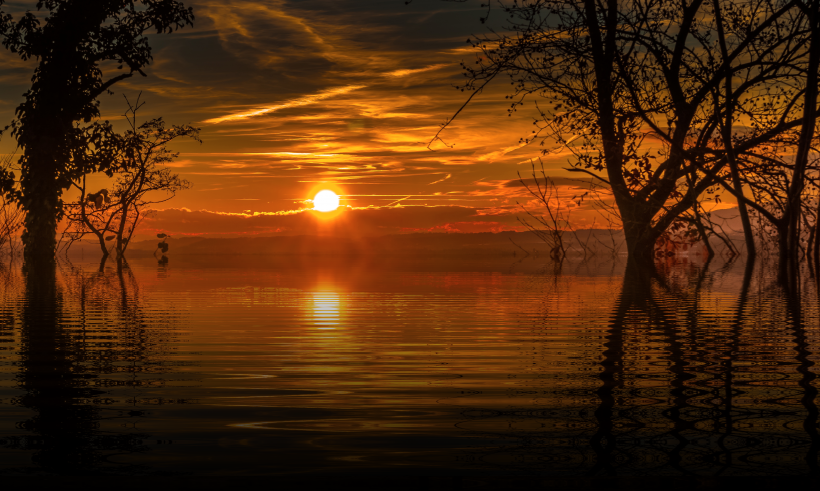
x,y
111,237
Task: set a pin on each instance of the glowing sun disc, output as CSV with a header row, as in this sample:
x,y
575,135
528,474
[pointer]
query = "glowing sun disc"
x,y
325,200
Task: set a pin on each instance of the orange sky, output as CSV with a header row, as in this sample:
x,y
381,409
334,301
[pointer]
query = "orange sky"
x,y
296,96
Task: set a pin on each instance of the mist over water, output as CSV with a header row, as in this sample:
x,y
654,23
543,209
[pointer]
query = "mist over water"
x,y
302,365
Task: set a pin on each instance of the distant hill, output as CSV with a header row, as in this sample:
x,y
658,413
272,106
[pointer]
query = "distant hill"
x,y
434,244
439,244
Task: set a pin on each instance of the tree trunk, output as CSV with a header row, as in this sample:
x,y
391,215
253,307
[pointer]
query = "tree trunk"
x,y
726,128
638,231
810,243
641,250
784,258
703,235
794,203
121,228
41,200
816,248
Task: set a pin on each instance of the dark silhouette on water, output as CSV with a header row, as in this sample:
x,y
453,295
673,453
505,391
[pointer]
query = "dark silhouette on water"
x,y
58,126
71,378
711,434
692,371
807,376
683,389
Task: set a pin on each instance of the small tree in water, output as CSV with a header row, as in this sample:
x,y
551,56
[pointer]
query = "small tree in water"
x,y
113,216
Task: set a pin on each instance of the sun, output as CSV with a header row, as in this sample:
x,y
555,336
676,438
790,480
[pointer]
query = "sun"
x,y
325,200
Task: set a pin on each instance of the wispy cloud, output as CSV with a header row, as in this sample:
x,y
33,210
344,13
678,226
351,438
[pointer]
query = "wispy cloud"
x,y
413,71
448,176
300,101
397,202
344,93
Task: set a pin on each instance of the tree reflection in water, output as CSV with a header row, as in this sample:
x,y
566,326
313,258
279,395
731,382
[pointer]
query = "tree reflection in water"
x,y
85,353
733,403
686,385
703,370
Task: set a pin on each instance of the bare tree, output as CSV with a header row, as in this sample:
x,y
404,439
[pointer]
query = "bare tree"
x,y
553,222
643,93
550,227
145,180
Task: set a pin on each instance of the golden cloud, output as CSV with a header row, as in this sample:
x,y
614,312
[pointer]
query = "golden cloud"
x,y
301,101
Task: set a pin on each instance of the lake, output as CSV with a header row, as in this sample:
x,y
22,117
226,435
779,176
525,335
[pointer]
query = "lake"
x,y
304,366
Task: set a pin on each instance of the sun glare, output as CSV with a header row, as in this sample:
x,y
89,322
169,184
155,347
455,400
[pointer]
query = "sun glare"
x,y
325,200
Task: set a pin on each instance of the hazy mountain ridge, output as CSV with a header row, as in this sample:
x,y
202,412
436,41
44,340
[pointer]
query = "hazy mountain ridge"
x,y
599,241
486,243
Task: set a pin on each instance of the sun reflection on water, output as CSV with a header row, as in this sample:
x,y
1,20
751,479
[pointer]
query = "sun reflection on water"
x,y
324,306
293,369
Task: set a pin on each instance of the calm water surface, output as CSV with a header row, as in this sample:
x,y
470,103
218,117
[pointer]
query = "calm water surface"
x,y
302,366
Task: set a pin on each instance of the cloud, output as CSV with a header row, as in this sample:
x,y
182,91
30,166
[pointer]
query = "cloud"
x,y
406,72
349,222
578,182
448,176
330,93
498,154
301,101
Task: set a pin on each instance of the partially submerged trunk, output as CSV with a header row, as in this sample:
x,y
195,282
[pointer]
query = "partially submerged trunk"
x,y
726,130
640,245
87,221
789,241
121,230
41,200
639,233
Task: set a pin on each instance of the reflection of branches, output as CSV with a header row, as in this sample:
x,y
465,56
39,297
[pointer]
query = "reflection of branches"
x,y
87,344
698,372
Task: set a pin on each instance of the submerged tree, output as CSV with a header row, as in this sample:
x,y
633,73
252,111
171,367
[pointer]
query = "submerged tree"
x,y
644,93
55,125
112,215
555,227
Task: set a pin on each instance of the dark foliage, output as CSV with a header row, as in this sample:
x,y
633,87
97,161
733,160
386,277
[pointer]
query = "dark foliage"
x,y
57,125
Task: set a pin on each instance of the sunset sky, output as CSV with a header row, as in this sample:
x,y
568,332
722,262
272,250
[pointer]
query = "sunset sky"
x,y
297,96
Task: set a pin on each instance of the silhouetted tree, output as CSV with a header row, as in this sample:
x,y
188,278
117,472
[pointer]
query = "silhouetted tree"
x,y
11,216
55,125
789,249
769,173
643,93
777,172
143,180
